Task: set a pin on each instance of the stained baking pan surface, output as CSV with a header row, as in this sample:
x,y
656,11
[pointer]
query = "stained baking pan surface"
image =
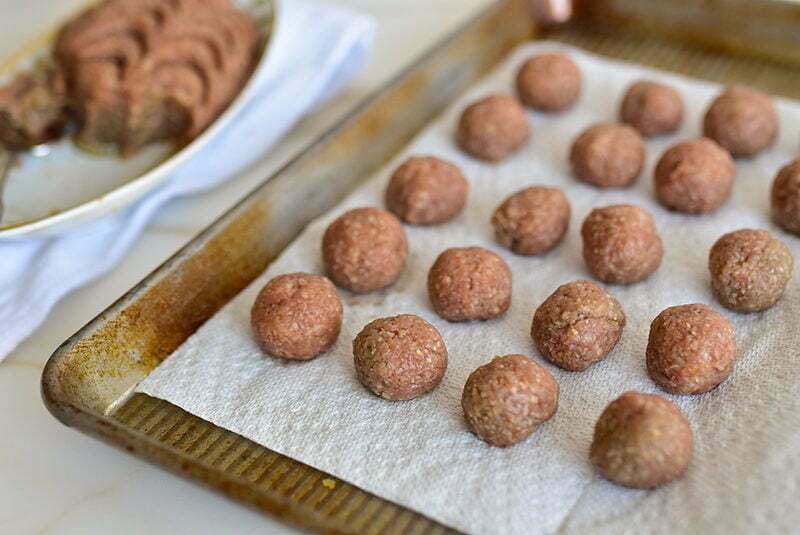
x,y
87,381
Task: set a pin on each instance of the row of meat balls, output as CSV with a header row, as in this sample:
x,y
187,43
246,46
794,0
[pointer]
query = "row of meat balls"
x,y
365,249
640,440
693,176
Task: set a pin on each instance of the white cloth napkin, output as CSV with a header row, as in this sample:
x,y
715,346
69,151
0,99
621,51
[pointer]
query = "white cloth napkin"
x,y
316,49
745,475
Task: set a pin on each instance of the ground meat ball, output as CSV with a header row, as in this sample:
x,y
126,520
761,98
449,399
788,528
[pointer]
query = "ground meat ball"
x,y
694,176
365,249
505,400
620,244
749,270
652,108
691,349
742,120
426,190
786,198
493,128
400,357
641,441
549,82
578,325
297,316
608,155
469,283
533,220
33,107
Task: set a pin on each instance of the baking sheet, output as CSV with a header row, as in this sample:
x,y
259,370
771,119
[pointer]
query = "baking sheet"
x,y
419,453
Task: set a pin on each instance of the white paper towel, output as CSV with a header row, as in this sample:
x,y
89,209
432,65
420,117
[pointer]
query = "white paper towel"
x,y
745,474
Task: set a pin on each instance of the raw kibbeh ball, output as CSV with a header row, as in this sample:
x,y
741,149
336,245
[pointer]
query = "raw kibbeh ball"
x,y
691,349
694,176
749,270
641,441
493,127
469,283
743,120
297,316
532,221
365,249
786,198
426,191
608,155
400,357
652,108
577,325
505,400
621,244
549,82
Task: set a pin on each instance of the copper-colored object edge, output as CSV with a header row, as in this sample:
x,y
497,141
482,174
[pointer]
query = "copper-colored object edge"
x,y
767,29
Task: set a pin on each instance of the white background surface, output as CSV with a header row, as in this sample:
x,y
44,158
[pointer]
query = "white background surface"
x,y
55,480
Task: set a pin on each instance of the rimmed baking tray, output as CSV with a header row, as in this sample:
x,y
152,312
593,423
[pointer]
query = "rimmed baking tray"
x,y
87,382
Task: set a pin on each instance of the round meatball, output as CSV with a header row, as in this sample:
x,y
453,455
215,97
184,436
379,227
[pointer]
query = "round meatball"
x,y
641,441
652,108
297,316
691,349
694,176
365,249
426,191
621,244
493,127
786,198
532,221
400,357
549,82
505,400
743,120
578,325
749,270
469,283
608,155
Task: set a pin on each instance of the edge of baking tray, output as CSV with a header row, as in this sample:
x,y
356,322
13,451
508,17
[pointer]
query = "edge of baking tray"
x,y
766,29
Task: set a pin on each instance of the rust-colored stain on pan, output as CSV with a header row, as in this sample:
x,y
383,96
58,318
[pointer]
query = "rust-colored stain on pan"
x,y
87,382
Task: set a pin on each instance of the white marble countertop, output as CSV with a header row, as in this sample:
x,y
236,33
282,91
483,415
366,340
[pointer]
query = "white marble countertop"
x,y
56,480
